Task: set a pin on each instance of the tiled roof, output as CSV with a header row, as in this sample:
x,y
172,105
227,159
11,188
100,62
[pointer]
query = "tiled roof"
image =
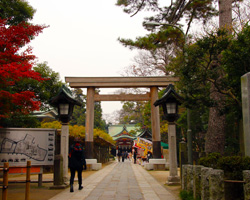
x,y
115,129
124,136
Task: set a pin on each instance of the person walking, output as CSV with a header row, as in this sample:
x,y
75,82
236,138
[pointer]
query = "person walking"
x,y
76,163
123,156
119,155
149,155
135,154
129,156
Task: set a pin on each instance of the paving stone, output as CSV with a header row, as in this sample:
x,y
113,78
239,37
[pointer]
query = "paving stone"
x,y
118,181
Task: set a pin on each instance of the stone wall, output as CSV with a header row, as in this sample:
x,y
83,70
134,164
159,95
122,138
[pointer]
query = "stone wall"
x,y
207,183
246,179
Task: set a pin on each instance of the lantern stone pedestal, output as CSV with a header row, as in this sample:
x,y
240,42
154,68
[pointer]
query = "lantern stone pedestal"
x,y
173,180
64,150
58,173
173,177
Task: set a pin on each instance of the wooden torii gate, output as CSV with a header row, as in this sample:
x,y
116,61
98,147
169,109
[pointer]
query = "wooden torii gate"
x,y
121,82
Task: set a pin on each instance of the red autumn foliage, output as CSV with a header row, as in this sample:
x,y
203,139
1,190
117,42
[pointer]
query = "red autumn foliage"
x,y
15,65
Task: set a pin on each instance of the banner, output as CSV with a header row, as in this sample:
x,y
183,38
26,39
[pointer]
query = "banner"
x,y
144,144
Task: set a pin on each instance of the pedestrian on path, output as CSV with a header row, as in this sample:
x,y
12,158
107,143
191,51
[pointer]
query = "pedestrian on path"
x,y
119,155
76,162
129,156
149,155
123,156
135,154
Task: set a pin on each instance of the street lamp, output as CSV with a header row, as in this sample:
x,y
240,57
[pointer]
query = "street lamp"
x,y
65,103
169,102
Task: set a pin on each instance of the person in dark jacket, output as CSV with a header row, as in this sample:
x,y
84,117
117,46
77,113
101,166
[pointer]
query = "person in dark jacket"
x,y
149,155
123,155
119,155
77,163
135,154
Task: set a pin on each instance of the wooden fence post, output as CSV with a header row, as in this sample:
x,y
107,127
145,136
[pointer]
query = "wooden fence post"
x,y
27,191
5,180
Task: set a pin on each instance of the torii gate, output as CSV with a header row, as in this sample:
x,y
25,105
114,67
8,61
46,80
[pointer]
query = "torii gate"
x,y
121,82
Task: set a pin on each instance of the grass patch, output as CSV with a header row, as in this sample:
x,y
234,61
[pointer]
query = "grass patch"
x,y
185,195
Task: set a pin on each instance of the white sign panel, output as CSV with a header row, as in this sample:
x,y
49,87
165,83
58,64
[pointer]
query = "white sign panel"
x,y
18,145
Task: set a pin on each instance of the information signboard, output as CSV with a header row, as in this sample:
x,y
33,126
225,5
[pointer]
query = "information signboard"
x,y
18,145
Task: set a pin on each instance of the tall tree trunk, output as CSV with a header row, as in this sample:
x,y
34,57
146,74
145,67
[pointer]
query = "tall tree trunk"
x,y
215,137
225,14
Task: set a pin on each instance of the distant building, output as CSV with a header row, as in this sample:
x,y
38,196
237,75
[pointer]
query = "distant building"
x,y
124,135
146,134
47,116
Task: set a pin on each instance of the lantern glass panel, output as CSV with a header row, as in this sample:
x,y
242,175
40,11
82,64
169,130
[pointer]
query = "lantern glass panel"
x,y
64,109
171,108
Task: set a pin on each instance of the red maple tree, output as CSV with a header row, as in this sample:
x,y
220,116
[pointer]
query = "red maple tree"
x,y
15,65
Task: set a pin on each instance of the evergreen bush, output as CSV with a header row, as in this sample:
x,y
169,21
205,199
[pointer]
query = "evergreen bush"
x,y
185,195
231,165
211,160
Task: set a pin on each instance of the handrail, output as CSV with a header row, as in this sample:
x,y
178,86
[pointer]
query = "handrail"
x,y
234,181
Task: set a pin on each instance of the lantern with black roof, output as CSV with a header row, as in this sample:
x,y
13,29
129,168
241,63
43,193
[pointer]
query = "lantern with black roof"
x,y
170,102
65,103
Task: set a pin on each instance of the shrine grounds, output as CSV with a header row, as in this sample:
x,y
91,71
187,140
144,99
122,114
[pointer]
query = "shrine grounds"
x,y
17,190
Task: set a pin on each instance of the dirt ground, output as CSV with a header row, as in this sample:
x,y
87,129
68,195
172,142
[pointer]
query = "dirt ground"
x,y
16,191
161,177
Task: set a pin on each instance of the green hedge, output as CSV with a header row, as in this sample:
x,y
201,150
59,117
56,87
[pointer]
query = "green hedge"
x,y
232,165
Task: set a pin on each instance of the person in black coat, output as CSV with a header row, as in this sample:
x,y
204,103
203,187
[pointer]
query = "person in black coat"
x,y
149,155
135,154
119,155
123,156
77,163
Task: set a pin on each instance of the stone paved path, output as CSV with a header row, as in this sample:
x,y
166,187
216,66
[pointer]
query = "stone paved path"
x,y
118,181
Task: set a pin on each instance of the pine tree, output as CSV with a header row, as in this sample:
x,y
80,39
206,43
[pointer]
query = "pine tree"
x,y
215,136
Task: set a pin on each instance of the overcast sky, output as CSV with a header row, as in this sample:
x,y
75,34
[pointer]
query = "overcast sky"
x,y
82,38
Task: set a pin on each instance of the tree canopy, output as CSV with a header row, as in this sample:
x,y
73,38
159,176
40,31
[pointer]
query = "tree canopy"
x,y
172,12
133,112
79,131
206,59
208,81
79,113
16,11
16,65
44,90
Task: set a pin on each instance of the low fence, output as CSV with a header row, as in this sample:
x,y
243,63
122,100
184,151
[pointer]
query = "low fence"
x,y
4,187
101,154
209,184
